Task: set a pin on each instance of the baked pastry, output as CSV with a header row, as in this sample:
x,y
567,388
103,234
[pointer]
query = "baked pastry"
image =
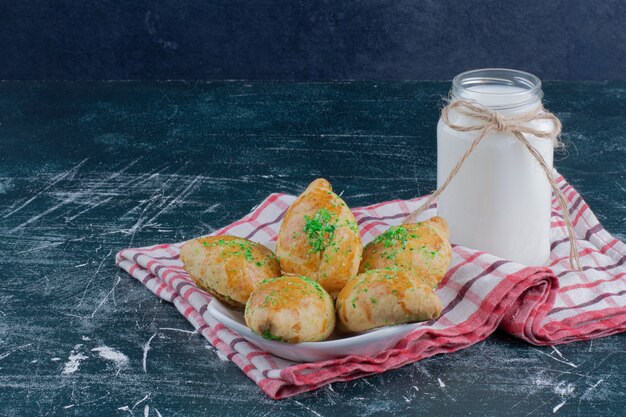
x,y
384,297
228,267
319,238
422,249
291,309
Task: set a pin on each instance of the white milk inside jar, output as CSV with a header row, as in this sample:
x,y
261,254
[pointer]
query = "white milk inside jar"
x,y
500,200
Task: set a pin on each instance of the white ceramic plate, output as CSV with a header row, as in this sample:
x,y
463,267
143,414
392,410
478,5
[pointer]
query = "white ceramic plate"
x,y
363,344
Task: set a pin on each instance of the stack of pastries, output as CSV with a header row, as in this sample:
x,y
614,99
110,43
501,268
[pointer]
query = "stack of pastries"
x,y
321,276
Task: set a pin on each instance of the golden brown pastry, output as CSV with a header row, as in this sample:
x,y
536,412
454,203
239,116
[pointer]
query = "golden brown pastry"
x,y
291,309
228,267
383,297
319,238
422,249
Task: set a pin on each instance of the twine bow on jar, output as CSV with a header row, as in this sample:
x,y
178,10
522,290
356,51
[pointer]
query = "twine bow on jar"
x,y
517,125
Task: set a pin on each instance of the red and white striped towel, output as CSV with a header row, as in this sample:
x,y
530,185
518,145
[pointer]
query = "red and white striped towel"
x,y
544,306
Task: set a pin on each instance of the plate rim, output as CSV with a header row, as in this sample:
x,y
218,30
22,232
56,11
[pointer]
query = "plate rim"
x,y
359,338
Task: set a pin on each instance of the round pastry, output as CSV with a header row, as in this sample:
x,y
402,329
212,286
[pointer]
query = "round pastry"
x,y
422,249
291,309
383,297
228,267
319,238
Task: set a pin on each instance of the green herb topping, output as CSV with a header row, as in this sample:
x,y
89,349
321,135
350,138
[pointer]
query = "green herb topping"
x,y
394,239
315,284
239,248
394,235
269,336
320,230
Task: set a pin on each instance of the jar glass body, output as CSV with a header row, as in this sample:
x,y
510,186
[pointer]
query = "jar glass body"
x,y
500,200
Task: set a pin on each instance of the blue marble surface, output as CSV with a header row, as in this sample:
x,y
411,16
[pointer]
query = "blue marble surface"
x,y
89,168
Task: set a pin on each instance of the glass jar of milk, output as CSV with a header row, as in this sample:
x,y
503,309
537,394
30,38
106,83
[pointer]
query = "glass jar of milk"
x,y
500,200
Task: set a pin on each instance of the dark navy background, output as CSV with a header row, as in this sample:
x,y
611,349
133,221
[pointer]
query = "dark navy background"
x,y
309,40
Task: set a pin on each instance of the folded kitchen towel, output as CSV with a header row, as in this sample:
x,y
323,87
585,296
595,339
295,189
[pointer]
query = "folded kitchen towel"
x,y
542,305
